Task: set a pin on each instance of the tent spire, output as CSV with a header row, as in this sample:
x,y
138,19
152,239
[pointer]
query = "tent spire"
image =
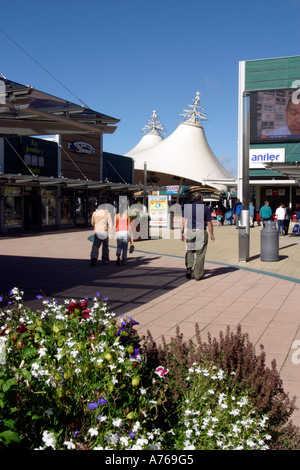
x,y
195,114
154,125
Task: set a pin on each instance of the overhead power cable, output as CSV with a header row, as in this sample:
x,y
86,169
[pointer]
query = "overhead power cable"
x,y
40,65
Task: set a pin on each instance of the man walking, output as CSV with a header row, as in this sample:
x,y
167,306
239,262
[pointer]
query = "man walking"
x,y
102,224
266,212
237,211
196,219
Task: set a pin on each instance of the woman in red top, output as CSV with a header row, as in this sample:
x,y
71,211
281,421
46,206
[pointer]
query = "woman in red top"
x,y
122,234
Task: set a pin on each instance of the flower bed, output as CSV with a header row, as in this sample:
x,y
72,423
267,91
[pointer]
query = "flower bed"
x,y
73,376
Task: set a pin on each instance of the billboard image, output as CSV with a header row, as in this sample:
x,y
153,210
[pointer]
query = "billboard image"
x,y
275,115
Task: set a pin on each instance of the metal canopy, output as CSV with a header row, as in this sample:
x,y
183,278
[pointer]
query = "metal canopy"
x,y
27,111
290,170
42,181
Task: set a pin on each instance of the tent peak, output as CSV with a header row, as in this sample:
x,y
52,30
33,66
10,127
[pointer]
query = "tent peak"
x,y
195,114
154,125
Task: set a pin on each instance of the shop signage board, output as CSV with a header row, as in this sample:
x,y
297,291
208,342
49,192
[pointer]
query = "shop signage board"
x,y
258,157
158,211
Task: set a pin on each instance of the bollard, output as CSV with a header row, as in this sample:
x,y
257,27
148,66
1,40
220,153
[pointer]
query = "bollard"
x,y
243,244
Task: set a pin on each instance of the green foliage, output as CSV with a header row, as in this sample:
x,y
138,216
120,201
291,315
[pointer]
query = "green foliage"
x,y
79,378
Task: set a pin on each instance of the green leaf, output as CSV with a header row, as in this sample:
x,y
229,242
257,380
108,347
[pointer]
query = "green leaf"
x,y
9,383
10,424
9,436
31,327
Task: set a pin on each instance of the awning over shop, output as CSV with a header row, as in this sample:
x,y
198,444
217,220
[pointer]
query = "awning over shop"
x,y
7,179
290,170
27,111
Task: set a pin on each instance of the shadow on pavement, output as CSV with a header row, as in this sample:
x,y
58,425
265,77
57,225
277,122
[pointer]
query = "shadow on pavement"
x,y
219,271
127,287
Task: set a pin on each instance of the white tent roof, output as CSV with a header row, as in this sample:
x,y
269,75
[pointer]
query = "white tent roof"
x,y
153,135
146,142
184,154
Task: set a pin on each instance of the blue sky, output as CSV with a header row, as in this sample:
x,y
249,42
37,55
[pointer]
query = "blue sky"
x,y
126,58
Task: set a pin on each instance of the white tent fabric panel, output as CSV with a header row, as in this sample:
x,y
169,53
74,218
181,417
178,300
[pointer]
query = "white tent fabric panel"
x,y
186,154
146,142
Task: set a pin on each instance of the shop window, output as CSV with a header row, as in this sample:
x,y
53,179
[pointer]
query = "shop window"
x,y
48,199
67,209
12,207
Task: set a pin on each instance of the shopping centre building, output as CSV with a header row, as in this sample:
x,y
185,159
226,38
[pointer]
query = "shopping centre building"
x,y
273,87
56,181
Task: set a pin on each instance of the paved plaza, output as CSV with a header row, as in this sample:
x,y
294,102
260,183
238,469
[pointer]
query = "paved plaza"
x,y
263,297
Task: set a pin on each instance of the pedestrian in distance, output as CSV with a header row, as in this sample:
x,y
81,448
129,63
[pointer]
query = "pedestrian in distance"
x,y
123,233
287,220
103,227
228,215
280,216
266,212
196,219
237,210
251,214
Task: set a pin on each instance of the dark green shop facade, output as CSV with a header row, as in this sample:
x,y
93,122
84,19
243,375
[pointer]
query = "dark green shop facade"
x,y
36,195
274,149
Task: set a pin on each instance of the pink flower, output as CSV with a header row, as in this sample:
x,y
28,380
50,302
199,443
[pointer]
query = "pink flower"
x,y
161,372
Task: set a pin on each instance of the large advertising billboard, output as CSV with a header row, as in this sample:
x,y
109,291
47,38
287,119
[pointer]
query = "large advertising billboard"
x,y
275,115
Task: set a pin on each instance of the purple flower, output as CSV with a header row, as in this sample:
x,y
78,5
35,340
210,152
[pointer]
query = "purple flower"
x,y
102,401
39,296
1,298
132,434
136,352
105,299
93,406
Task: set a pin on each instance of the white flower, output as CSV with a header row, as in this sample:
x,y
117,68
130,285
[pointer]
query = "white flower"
x,y
49,439
42,352
117,422
101,418
74,353
70,445
143,391
136,426
250,443
93,432
124,441
141,441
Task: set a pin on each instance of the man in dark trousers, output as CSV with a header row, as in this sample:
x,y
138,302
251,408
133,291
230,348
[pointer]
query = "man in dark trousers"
x,y
196,219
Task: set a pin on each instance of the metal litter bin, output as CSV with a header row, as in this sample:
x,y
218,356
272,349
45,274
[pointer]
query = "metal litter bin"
x,y
269,242
243,244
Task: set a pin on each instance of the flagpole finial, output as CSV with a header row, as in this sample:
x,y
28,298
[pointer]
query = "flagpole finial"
x,y
154,125
195,114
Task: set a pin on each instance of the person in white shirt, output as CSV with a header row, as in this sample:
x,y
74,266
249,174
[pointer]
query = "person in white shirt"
x,y
280,216
102,224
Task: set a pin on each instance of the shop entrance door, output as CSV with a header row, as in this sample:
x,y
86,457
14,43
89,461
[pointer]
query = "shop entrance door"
x,y
31,213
